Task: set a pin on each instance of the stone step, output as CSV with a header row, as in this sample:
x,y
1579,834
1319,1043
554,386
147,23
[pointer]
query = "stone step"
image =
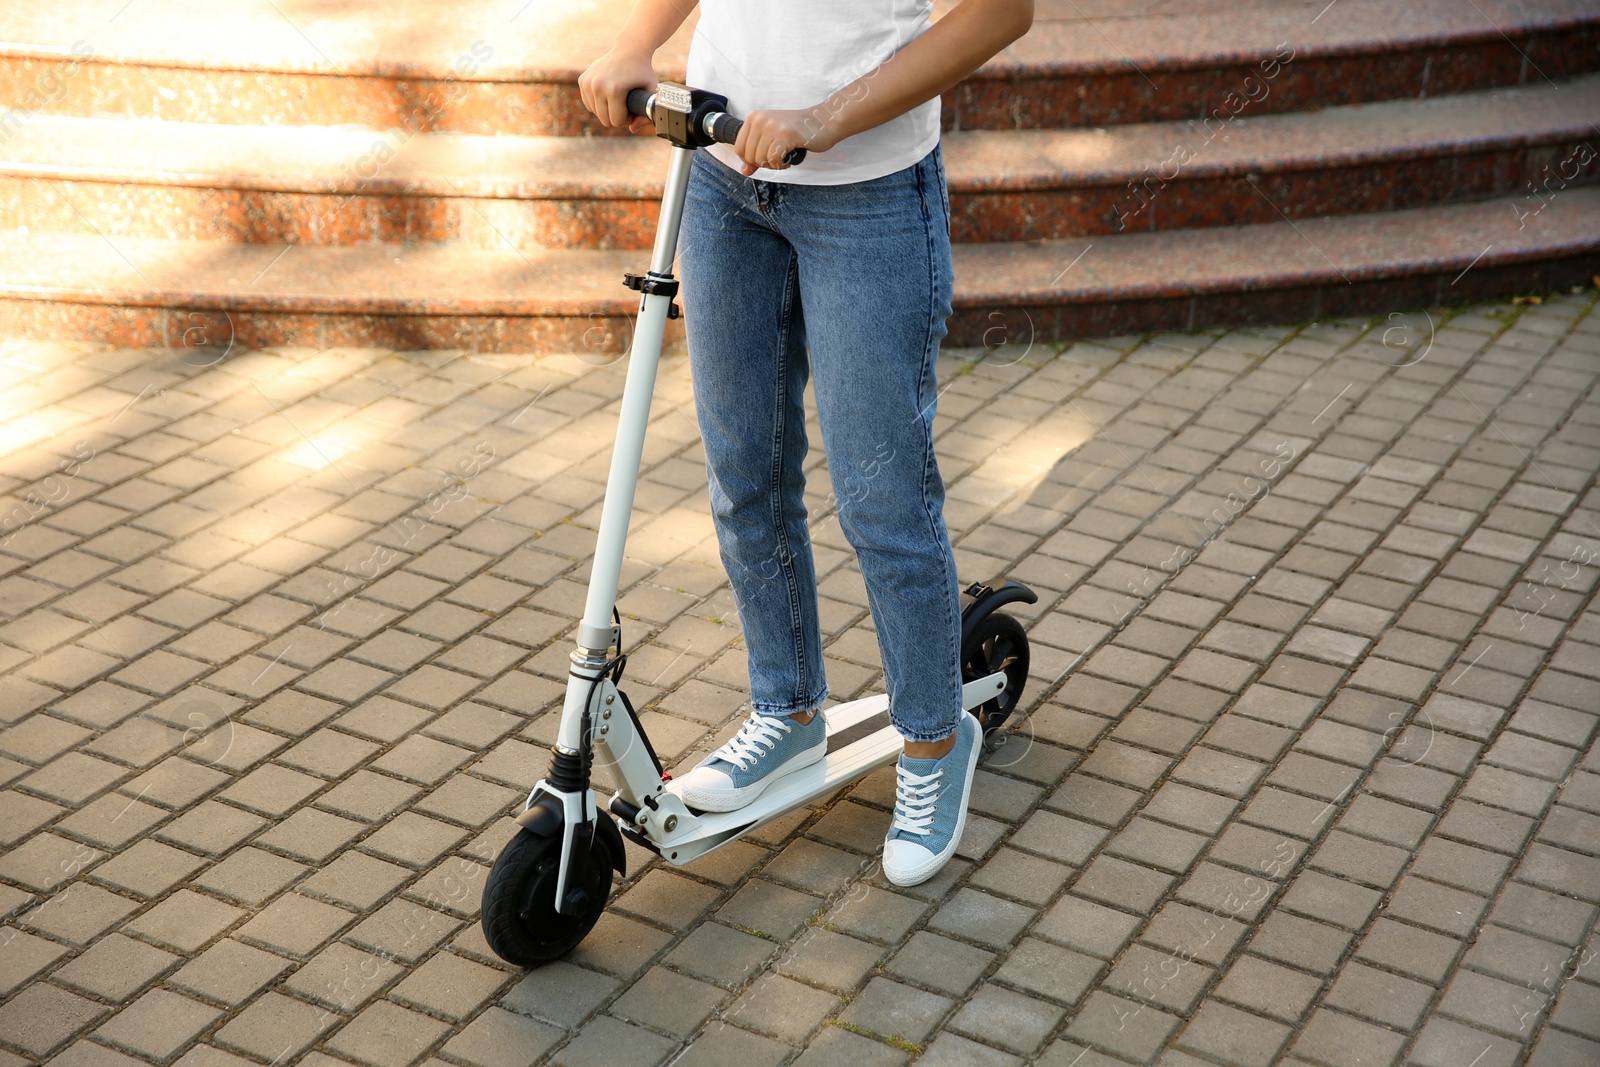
x,y
327,186
498,67
208,295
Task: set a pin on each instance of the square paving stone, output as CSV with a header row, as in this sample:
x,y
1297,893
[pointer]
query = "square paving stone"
x,y
1126,885
1517,956
356,880
836,1047
1330,899
175,782
230,972
1445,1043
472,801
1057,837
1087,926
311,835
608,1042
387,1035
111,822
1360,859
272,790
788,1010
832,960
1473,869
1043,968
890,1009
43,1017
876,914
722,1045
665,1000
721,954
421,759
768,909
81,1053
251,876
212,828
1436,906
816,868
115,967
184,921
328,752
1027,878
1157,845
620,946
669,899
940,963
78,914
1233,1036
158,1024
295,924
1192,808
45,861
499,1038
1163,979
1538,911
413,839
1124,1027
343,978
1401,947
1380,996
952,1050
369,797
1268,988
561,993
1001,1017
25,956
1193,933
403,930
450,986
980,917
1344,1041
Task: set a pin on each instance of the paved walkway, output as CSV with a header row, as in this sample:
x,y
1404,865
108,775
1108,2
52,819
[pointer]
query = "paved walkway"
x,y
1309,775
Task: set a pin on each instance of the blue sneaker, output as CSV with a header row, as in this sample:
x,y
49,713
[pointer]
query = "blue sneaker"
x,y
930,808
766,747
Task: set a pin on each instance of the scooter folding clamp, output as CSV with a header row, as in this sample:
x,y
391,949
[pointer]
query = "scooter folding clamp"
x,y
654,285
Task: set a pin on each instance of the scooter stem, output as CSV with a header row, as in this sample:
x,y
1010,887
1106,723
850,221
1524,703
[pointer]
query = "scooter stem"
x,y
595,631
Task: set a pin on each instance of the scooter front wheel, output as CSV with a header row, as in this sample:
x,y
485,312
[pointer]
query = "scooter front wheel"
x,y
520,920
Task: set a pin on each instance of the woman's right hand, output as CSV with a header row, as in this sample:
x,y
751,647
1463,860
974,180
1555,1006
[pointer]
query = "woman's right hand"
x,y
606,84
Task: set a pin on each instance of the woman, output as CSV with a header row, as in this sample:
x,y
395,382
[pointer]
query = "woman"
x,y
837,270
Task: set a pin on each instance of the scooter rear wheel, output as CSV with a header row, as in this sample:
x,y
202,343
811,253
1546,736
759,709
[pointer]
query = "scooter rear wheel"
x,y
520,920
998,643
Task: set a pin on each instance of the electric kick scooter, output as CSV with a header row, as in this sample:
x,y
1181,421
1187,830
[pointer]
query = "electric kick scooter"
x,y
550,882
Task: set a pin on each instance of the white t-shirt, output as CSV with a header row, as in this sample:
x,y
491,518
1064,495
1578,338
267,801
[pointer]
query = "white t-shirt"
x,y
764,54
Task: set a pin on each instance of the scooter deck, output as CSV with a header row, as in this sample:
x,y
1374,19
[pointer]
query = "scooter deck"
x,y
860,739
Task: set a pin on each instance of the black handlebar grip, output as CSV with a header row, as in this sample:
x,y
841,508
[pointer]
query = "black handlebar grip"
x,y
725,128
639,102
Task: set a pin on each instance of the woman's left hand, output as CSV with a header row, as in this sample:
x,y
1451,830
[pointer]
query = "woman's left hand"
x,y
768,136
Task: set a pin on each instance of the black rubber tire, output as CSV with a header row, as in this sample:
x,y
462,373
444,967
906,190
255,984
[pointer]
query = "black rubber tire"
x,y
998,643
520,920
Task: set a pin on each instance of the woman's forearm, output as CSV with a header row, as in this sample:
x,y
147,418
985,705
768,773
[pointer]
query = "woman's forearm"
x,y
952,48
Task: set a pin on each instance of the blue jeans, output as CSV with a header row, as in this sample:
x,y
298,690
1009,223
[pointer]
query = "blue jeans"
x,y
848,285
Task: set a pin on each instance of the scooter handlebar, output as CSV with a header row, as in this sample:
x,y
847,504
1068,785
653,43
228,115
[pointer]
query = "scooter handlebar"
x,y
722,127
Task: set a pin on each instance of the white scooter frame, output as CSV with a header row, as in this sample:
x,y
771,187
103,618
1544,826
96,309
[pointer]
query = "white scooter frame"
x,y
599,725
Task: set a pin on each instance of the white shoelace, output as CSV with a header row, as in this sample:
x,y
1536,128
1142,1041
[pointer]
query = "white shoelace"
x,y
915,799
757,732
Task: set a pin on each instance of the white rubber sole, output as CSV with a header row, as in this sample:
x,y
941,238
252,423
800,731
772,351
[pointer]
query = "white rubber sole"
x,y
918,873
711,798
